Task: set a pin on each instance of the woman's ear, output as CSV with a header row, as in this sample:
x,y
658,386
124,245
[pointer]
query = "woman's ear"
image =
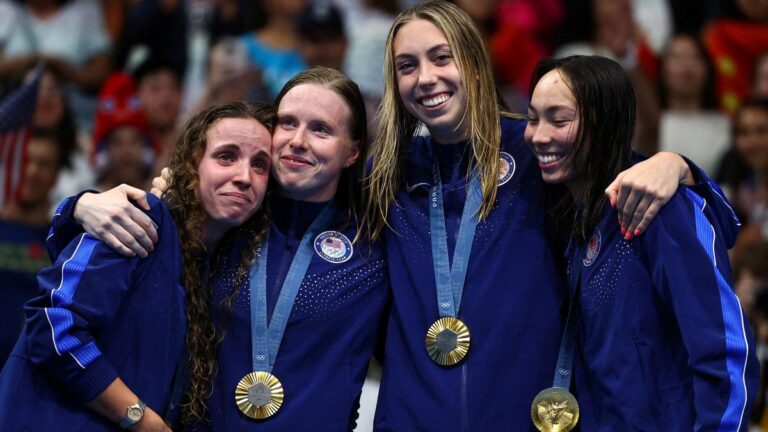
x,y
354,153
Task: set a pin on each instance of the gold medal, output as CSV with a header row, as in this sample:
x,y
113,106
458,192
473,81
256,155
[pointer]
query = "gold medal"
x,y
555,410
259,395
447,341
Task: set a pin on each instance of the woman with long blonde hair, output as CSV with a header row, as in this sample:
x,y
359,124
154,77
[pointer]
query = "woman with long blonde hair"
x,y
475,326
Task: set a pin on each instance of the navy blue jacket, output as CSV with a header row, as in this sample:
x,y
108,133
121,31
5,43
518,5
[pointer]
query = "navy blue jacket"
x,y
329,338
663,342
511,303
98,316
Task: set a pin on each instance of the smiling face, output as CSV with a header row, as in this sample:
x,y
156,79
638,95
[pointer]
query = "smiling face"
x,y
552,128
233,173
429,81
312,143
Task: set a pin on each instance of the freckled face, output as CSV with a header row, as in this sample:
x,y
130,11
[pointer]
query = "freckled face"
x,y
312,143
429,81
233,172
552,128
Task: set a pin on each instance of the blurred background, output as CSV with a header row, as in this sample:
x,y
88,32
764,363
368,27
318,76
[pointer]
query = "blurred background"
x,y
121,76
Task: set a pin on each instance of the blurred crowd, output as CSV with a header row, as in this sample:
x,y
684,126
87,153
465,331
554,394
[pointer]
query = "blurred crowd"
x,y
121,77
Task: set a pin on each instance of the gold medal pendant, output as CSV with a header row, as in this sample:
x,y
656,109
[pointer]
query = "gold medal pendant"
x,y
259,395
448,341
555,410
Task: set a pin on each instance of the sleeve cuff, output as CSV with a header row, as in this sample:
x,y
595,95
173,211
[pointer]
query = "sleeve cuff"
x,y
92,381
699,176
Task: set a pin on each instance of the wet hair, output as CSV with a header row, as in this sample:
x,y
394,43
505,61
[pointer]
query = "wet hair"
x,y
202,337
349,193
397,126
606,106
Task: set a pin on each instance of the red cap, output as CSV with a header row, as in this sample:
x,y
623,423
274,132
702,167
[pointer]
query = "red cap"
x,y
118,105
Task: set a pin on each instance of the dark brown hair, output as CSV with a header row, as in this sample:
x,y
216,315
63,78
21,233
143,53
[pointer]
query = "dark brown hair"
x,y
187,211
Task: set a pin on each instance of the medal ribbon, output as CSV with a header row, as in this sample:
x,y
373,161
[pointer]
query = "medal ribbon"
x,y
266,339
451,275
564,369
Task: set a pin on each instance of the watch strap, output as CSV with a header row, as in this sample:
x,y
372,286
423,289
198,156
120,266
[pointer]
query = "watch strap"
x,y
127,421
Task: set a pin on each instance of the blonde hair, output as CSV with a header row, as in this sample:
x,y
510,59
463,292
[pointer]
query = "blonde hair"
x,y
397,126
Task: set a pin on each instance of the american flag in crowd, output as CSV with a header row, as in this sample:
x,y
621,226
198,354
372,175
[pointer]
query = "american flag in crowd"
x,y
16,111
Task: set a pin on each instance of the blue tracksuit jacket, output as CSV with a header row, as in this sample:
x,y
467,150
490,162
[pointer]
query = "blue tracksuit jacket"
x,y
663,343
511,303
329,338
98,316
512,300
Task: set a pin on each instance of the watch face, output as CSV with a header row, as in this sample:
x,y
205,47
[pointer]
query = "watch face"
x,y
135,413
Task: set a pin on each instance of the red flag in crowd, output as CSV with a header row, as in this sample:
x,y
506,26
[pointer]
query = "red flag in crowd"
x,y
16,112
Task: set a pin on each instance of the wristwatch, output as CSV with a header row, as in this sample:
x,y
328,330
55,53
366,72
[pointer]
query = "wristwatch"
x,y
133,415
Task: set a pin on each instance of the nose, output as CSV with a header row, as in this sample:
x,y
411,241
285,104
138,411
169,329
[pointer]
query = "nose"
x,y
298,140
539,134
242,174
427,76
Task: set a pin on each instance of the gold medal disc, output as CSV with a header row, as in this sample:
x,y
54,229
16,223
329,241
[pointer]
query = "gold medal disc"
x,y
555,410
448,341
259,395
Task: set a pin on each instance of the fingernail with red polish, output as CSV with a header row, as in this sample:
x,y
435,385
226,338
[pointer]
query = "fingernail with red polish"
x,y
623,231
637,232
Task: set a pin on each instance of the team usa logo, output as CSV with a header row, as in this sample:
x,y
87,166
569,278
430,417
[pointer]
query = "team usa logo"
x,y
333,247
506,167
593,249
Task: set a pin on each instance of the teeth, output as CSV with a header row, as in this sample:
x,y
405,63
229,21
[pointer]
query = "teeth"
x,y
437,100
549,157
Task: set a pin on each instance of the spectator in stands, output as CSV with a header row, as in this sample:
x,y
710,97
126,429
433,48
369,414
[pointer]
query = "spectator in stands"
x,y
230,77
69,36
159,91
274,48
743,168
613,33
760,77
123,149
158,26
53,114
23,228
735,44
323,41
690,122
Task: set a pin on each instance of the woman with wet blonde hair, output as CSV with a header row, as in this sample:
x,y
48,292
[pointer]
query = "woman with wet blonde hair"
x,y
475,325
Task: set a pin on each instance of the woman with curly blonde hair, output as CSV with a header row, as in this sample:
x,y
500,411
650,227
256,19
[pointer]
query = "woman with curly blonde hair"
x,y
105,337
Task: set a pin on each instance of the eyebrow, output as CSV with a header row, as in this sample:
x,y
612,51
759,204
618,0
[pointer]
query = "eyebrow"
x,y
432,50
553,108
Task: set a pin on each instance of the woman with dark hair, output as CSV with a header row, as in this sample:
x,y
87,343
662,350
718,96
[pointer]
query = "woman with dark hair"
x,y
287,348
743,169
331,327
473,332
660,306
689,121
687,75
105,336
